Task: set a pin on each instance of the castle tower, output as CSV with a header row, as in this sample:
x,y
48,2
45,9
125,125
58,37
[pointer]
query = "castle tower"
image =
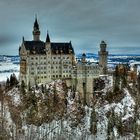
x,y
36,31
48,56
48,44
83,58
103,54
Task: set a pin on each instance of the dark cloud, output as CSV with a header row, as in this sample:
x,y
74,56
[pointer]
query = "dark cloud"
x,y
84,22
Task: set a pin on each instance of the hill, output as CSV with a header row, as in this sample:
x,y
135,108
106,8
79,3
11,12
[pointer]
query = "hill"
x,y
53,111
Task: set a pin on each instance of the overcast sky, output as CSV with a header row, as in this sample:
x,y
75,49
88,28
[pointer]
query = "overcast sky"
x,y
84,22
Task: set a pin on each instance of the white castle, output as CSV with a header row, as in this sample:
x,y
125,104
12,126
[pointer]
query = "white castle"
x,y
43,62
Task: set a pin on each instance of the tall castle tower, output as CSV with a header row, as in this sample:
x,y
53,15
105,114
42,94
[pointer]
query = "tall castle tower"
x,y
103,54
36,31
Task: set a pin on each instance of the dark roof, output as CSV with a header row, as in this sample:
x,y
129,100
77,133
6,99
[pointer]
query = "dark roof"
x,y
84,55
65,48
35,47
103,42
38,47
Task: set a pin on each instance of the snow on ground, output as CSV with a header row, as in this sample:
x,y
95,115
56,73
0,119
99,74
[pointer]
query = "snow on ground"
x,y
4,76
125,106
15,96
8,68
63,127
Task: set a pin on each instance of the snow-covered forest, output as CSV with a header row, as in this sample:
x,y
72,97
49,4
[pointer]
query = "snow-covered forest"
x,y
55,112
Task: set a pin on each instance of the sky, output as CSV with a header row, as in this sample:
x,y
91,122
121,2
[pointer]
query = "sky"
x,y
83,22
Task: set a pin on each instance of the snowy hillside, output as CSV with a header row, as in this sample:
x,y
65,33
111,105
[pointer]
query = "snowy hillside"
x,y
55,112
8,66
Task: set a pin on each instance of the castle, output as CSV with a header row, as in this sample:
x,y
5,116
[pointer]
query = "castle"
x,y
43,62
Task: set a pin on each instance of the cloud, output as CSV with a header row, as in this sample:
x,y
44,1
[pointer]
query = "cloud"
x,y
85,23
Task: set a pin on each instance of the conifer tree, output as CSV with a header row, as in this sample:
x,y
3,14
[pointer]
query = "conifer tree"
x,y
93,122
116,79
22,88
7,83
138,81
110,126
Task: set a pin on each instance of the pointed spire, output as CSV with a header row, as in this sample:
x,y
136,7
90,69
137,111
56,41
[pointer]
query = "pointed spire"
x,y
36,31
36,25
23,39
48,37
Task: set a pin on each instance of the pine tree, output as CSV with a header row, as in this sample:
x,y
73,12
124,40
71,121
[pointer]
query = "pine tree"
x,y
93,122
110,131
118,123
116,79
15,81
7,83
22,88
136,118
138,81
11,80
124,77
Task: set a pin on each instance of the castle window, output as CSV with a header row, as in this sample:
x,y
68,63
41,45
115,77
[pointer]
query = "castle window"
x,y
45,77
36,58
32,58
32,73
44,67
44,62
54,57
44,72
44,57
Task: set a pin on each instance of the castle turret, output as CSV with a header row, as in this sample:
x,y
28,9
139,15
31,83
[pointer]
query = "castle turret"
x,y
36,31
83,58
48,56
48,38
103,54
